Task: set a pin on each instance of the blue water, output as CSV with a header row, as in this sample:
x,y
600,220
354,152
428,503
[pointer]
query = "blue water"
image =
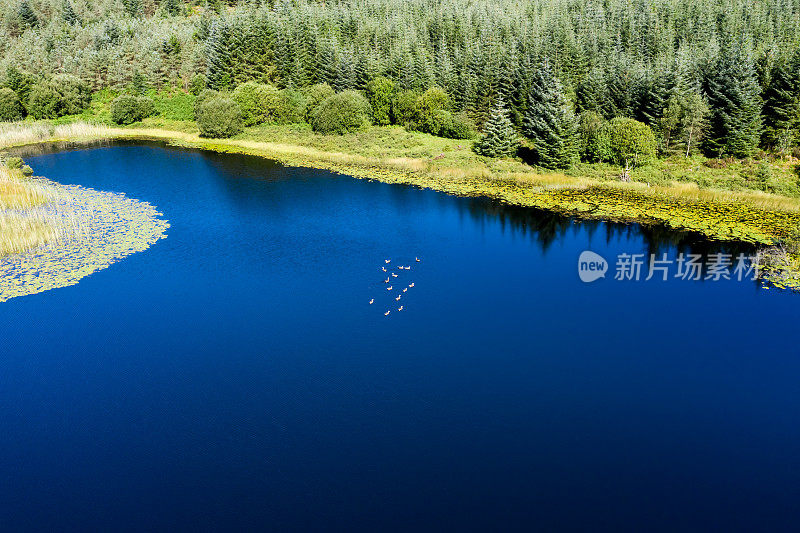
x,y
234,376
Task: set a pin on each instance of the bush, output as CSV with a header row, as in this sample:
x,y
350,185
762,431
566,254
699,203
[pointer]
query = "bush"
x,y
14,162
176,106
292,107
315,95
127,109
444,124
27,170
10,106
44,101
341,113
75,94
429,105
219,117
380,92
259,102
63,95
404,109
197,84
632,143
204,95
594,138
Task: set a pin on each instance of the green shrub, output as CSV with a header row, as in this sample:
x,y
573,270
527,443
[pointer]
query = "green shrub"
x,y
204,95
594,138
44,101
341,113
175,106
380,92
429,105
632,143
219,117
460,127
14,162
291,107
20,82
63,95
75,94
444,124
404,109
127,109
197,84
10,106
27,170
315,96
259,102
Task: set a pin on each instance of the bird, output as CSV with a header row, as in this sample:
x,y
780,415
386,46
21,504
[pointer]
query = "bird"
x,y
417,258
394,275
372,301
404,290
386,280
400,267
408,268
383,268
387,261
389,288
398,298
411,285
386,313
400,308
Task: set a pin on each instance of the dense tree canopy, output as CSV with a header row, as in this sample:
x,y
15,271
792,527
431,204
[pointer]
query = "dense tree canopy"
x,y
619,58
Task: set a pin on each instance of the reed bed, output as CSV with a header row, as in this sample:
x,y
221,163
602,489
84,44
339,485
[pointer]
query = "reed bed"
x,y
22,133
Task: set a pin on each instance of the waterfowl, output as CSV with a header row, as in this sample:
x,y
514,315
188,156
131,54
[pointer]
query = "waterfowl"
x,y
371,301
417,258
400,308
387,261
400,267
386,313
383,268
411,285
394,275
398,297
404,290
389,288
386,280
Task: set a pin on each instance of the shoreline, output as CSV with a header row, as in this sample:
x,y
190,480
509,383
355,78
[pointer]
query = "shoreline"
x,y
716,214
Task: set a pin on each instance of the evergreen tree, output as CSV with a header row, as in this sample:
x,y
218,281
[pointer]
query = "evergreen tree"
x,y
173,7
218,74
132,7
68,13
26,15
735,102
550,122
782,105
499,137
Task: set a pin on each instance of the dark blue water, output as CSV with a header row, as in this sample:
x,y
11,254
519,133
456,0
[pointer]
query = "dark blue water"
x,y
234,376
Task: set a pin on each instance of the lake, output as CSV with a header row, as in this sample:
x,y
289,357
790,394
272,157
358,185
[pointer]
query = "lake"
x,y
235,375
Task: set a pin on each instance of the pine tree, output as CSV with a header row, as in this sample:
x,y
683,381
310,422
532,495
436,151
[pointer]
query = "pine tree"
x,y
218,74
550,121
735,102
782,105
499,137
26,15
68,13
132,7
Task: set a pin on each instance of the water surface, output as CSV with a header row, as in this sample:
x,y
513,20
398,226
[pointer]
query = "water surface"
x,y
234,376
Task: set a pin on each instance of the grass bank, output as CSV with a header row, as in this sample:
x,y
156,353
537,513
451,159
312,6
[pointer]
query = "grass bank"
x,y
707,196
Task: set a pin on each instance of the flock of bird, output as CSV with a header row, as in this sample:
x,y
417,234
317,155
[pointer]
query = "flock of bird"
x,y
390,276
